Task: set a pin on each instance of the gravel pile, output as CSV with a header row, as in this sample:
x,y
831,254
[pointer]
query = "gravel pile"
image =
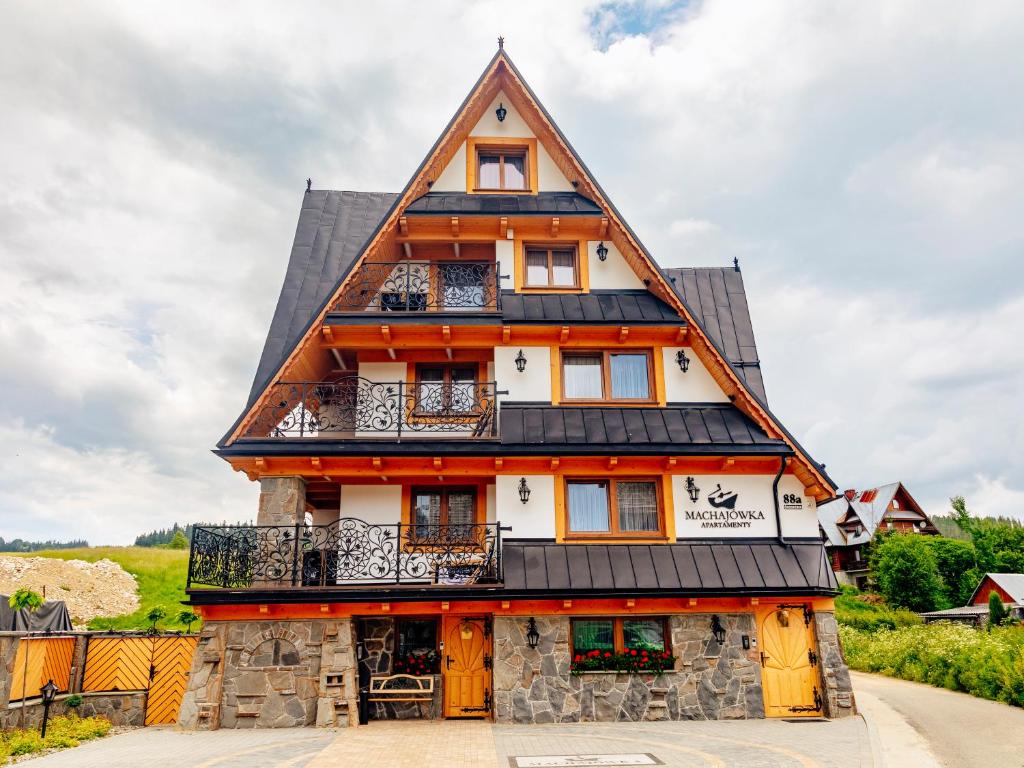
x,y
102,588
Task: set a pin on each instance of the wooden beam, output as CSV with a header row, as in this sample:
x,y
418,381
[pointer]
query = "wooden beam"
x,y
554,463
564,335
692,602
445,605
567,603
506,334
261,463
498,462
314,461
407,247
506,604
385,607
631,603
554,226
328,333
378,463
455,226
455,248
385,332
623,334
603,231
670,463
438,463
503,226
403,226
613,461
727,463
446,334
681,334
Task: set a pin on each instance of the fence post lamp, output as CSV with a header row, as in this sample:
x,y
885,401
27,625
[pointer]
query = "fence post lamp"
x,y
49,693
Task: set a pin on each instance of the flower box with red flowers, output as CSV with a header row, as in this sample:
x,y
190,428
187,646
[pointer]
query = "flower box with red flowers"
x,y
428,663
631,661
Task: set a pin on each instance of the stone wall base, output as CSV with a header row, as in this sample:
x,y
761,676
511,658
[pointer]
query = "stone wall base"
x,y
121,709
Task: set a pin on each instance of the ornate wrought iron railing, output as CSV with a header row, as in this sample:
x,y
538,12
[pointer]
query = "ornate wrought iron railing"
x,y
348,552
354,407
422,286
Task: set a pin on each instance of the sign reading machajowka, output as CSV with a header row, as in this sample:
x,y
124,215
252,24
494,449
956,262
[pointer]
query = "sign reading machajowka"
x,y
724,505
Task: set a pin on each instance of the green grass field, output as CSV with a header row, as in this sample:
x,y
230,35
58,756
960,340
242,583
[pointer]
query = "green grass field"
x,y
160,574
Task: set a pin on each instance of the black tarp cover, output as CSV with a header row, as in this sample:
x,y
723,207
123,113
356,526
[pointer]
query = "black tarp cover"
x,y
52,616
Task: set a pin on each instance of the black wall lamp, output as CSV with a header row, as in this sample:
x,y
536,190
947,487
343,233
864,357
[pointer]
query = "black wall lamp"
x,y
524,490
717,629
602,251
532,635
500,113
49,693
520,361
683,360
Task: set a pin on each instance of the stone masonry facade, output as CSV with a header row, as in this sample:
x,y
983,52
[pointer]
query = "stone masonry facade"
x,y
839,700
710,681
272,674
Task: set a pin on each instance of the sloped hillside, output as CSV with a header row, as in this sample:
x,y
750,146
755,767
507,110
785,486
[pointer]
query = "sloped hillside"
x,y
156,576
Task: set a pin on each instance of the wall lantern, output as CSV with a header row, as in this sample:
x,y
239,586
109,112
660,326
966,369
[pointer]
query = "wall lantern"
x,y
602,251
524,490
532,635
500,113
49,693
692,490
717,629
683,360
520,361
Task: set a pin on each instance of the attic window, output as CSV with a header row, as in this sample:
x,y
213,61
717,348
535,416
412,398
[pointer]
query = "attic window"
x,y
895,504
501,168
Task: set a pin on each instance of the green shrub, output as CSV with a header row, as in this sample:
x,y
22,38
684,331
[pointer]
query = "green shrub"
x,y
954,656
903,565
24,742
869,613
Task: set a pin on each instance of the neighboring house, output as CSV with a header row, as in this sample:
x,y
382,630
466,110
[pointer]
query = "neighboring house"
x,y
500,449
849,522
1009,587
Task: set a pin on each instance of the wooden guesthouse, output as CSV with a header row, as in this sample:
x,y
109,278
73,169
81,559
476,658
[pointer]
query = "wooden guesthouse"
x,y
510,468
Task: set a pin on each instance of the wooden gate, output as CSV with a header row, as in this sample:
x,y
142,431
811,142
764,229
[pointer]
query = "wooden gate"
x,y
789,663
159,665
39,659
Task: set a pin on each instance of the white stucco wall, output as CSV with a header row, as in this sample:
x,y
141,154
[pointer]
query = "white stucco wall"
x,y
536,518
384,372
514,127
532,385
381,504
613,272
505,256
492,504
453,177
799,516
694,386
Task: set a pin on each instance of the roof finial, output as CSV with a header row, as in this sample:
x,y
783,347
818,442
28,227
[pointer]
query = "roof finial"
x,y
736,263
309,185
501,43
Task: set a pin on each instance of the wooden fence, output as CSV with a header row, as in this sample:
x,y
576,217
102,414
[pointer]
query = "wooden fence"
x,y
158,664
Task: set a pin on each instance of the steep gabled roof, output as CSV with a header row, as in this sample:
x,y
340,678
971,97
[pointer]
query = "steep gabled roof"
x,y
717,295
1011,583
502,75
332,230
868,507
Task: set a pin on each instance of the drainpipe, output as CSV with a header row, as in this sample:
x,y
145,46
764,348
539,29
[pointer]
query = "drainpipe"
x,y
775,498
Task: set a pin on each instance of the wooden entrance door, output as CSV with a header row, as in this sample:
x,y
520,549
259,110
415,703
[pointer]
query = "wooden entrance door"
x,y
466,667
789,664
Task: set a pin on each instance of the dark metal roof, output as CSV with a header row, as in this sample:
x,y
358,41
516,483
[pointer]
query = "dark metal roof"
x,y
332,229
722,426
543,203
716,295
598,306
684,567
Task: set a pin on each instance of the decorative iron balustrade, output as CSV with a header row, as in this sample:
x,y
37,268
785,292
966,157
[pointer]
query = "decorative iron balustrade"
x,y
354,407
347,552
422,286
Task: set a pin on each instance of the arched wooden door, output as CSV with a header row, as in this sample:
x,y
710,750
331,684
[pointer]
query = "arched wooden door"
x,y
789,664
466,667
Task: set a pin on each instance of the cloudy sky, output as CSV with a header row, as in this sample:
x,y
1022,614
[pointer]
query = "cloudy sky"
x,y
865,162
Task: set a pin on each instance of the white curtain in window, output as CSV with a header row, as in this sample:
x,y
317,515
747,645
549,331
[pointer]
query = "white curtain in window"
x,y
515,176
490,168
581,376
536,268
563,268
629,377
588,506
638,506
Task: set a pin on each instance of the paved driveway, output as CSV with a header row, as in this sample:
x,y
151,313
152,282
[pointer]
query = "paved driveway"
x,y
474,744
960,730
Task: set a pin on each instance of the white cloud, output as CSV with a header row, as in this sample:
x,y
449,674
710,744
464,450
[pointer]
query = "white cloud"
x,y
861,160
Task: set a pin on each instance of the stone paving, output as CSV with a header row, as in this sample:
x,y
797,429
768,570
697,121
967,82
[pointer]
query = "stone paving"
x,y
478,744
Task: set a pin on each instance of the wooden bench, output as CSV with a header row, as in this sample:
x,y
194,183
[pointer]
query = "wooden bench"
x,y
419,689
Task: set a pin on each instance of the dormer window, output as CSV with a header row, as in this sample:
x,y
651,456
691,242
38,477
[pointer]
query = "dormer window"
x,y
551,266
502,168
